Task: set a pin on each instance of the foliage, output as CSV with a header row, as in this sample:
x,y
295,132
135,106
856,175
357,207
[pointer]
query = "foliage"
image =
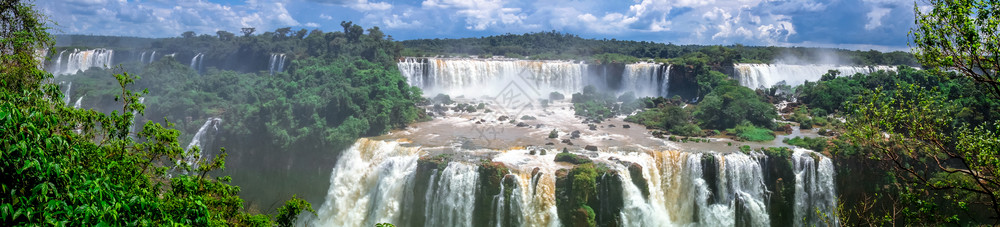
x,y
727,106
556,45
553,134
572,158
597,106
748,132
22,34
672,118
812,143
961,35
945,165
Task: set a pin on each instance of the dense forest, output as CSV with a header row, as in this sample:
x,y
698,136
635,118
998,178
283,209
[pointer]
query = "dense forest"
x,y
557,45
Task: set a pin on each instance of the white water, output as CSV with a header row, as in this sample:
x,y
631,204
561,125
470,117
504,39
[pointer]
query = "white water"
x,y
646,79
83,60
277,63
78,103
196,62
814,189
367,184
679,193
767,75
66,95
477,77
451,200
142,58
371,179
152,56
193,158
58,65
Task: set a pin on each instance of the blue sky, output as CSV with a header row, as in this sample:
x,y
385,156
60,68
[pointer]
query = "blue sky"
x,y
850,24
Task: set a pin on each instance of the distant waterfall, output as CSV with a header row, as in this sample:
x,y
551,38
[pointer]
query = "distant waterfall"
x,y
814,189
196,62
135,116
277,63
646,79
82,60
78,103
767,75
66,95
58,66
198,140
152,56
367,184
477,77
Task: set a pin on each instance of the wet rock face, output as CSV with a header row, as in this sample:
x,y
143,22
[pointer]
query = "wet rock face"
x,y
590,148
635,172
491,176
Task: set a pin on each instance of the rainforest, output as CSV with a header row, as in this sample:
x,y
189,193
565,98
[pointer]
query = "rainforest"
x,y
489,124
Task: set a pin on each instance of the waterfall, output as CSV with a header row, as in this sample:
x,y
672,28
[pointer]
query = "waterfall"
x,y
152,56
82,60
767,75
135,116
376,181
413,70
451,200
685,189
367,184
78,103
277,63
198,140
58,65
196,62
142,58
646,79
477,77
66,95
814,189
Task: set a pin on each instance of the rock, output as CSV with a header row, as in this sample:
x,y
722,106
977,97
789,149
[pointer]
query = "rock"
x,y
535,171
590,148
526,117
575,134
593,127
611,126
626,126
570,143
503,118
572,158
539,125
522,124
532,152
565,150
542,152
566,141
550,143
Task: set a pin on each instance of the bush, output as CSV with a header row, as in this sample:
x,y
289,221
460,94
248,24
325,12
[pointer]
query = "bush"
x,y
553,134
748,132
572,158
554,96
443,99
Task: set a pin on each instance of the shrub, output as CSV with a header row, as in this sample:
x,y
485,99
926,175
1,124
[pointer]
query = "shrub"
x,y
748,132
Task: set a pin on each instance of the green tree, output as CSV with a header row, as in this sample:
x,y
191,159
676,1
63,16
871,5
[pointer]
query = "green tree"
x,y
961,35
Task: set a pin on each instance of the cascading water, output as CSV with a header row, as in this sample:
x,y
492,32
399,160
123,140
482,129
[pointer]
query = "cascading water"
x,y
767,75
142,58
367,184
371,181
277,63
66,95
474,77
58,65
152,56
79,102
450,201
196,62
815,197
82,60
198,140
646,79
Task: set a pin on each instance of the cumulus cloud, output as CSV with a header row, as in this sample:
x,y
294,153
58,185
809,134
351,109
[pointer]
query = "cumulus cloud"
x,y
479,14
875,17
164,19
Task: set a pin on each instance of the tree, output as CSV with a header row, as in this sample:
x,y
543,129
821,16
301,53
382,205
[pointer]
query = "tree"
x,y
247,31
283,32
22,33
961,35
224,35
188,34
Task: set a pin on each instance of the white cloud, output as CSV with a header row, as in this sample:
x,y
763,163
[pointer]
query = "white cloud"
x,y
479,14
325,17
312,25
875,17
364,5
